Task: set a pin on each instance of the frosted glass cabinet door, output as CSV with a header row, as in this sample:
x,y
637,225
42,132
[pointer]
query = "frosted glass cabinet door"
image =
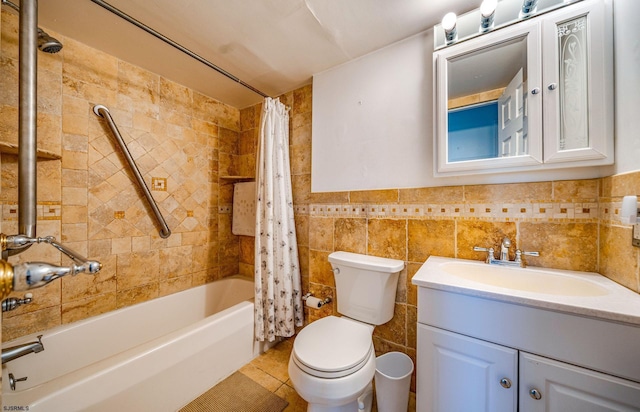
x,y
578,81
461,374
551,386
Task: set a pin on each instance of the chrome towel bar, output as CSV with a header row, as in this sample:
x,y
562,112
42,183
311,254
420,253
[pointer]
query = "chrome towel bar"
x,y
103,112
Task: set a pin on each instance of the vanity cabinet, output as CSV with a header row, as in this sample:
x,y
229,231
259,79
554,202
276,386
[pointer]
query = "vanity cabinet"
x,y
534,95
460,373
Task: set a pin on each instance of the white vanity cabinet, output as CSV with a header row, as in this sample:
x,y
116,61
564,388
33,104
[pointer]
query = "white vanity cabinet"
x,y
460,373
534,95
493,338
551,386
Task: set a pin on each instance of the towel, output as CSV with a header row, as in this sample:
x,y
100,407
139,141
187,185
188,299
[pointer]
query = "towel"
x,y
244,209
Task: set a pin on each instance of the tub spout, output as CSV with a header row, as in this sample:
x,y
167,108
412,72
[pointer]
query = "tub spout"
x,y
18,351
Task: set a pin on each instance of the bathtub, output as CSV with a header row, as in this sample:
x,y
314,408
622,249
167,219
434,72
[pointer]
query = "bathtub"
x,y
154,356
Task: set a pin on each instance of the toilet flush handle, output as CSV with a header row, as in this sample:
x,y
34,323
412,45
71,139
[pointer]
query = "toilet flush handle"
x,y
336,271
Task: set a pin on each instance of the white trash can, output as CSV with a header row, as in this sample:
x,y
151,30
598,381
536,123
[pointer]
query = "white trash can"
x,y
393,381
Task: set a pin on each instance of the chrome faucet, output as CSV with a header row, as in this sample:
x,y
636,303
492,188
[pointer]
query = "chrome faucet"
x,y
29,275
82,264
504,249
18,351
504,255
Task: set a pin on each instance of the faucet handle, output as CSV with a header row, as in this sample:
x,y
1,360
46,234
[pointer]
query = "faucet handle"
x,y
490,251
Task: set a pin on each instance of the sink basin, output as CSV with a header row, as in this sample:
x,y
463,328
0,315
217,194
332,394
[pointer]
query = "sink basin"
x,y
525,279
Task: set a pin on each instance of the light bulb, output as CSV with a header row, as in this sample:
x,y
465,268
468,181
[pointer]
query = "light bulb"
x,y
488,7
449,26
487,13
449,21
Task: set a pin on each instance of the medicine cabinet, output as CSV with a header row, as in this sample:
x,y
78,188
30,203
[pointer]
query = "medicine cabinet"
x,y
534,95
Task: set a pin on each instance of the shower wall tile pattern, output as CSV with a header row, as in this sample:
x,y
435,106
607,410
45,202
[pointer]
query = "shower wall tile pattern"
x,y
88,199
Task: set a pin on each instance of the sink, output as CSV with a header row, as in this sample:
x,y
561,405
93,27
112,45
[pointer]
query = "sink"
x,y
524,279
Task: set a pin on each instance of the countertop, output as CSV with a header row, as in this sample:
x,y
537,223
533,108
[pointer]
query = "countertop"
x,y
619,304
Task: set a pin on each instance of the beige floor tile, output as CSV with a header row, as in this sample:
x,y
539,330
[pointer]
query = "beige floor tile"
x,y
275,361
261,377
296,403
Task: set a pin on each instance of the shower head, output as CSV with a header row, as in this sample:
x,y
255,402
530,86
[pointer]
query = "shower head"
x,y
47,43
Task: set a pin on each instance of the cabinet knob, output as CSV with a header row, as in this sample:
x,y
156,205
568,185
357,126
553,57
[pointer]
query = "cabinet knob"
x,y
535,394
552,86
505,382
535,90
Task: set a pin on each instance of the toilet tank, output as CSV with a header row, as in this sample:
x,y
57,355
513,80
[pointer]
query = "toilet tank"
x,y
365,286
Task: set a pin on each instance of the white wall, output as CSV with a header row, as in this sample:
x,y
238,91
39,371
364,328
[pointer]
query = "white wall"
x,y
373,118
627,72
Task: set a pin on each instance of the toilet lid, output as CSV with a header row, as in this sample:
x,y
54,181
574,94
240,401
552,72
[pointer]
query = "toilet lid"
x,y
332,345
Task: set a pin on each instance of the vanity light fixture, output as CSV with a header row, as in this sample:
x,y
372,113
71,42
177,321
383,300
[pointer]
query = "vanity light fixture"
x,y
528,8
449,25
487,13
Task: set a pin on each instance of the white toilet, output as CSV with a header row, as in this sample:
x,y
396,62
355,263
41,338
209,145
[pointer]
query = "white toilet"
x,y
333,362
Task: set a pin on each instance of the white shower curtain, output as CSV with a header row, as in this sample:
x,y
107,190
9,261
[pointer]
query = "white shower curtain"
x,y
278,301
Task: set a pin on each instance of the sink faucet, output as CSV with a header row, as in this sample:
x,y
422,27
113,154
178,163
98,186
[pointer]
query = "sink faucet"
x,y
504,249
504,255
18,351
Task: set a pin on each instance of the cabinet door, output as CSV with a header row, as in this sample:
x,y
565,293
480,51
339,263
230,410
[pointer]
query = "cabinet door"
x,y
577,45
551,386
461,374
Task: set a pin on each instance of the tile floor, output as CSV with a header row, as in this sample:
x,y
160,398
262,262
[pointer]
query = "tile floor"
x,y
270,371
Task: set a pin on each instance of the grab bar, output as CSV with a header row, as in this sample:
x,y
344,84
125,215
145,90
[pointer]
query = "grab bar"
x,y
103,112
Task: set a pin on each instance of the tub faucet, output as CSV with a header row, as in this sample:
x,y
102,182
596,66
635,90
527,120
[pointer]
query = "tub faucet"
x,y
82,264
18,351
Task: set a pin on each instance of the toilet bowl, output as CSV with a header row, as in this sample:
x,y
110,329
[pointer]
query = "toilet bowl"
x,y
332,363
332,373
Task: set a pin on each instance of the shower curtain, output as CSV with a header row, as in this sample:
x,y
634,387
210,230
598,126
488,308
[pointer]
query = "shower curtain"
x,y
278,300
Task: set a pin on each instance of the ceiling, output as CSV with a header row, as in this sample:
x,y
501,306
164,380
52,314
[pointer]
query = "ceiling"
x,y
274,45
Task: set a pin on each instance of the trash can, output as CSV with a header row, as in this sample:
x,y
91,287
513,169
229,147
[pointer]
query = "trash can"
x,y
393,381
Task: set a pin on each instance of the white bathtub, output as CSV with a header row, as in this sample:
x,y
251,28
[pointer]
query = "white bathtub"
x,y
154,356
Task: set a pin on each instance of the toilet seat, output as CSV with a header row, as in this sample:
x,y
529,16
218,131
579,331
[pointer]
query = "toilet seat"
x,y
332,347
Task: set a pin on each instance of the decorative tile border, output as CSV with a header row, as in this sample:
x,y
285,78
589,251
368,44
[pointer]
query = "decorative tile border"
x,y
484,211
44,211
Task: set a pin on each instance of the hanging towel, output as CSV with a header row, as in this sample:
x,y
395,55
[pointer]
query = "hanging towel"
x,y
244,209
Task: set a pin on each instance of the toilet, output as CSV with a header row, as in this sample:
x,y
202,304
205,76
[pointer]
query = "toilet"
x,y
333,361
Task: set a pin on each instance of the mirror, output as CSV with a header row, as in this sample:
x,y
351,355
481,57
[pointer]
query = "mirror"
x,y
486,104
489,109
492,89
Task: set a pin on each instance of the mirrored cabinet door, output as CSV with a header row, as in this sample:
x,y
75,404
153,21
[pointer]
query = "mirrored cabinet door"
x,y
531,96
578,76
488,100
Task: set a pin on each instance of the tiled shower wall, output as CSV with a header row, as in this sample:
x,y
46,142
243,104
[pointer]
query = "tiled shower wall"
x,y
87,198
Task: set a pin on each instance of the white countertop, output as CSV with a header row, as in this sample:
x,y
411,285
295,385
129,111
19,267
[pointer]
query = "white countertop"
x,y
619,304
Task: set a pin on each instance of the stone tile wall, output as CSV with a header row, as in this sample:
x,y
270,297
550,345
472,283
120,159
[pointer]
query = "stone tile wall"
x,y
87,199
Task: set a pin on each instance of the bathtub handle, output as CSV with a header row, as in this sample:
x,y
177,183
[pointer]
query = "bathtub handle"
x,y
13,381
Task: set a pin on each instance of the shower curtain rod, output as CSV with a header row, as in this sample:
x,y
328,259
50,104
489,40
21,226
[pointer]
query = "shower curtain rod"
x,y
172,43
